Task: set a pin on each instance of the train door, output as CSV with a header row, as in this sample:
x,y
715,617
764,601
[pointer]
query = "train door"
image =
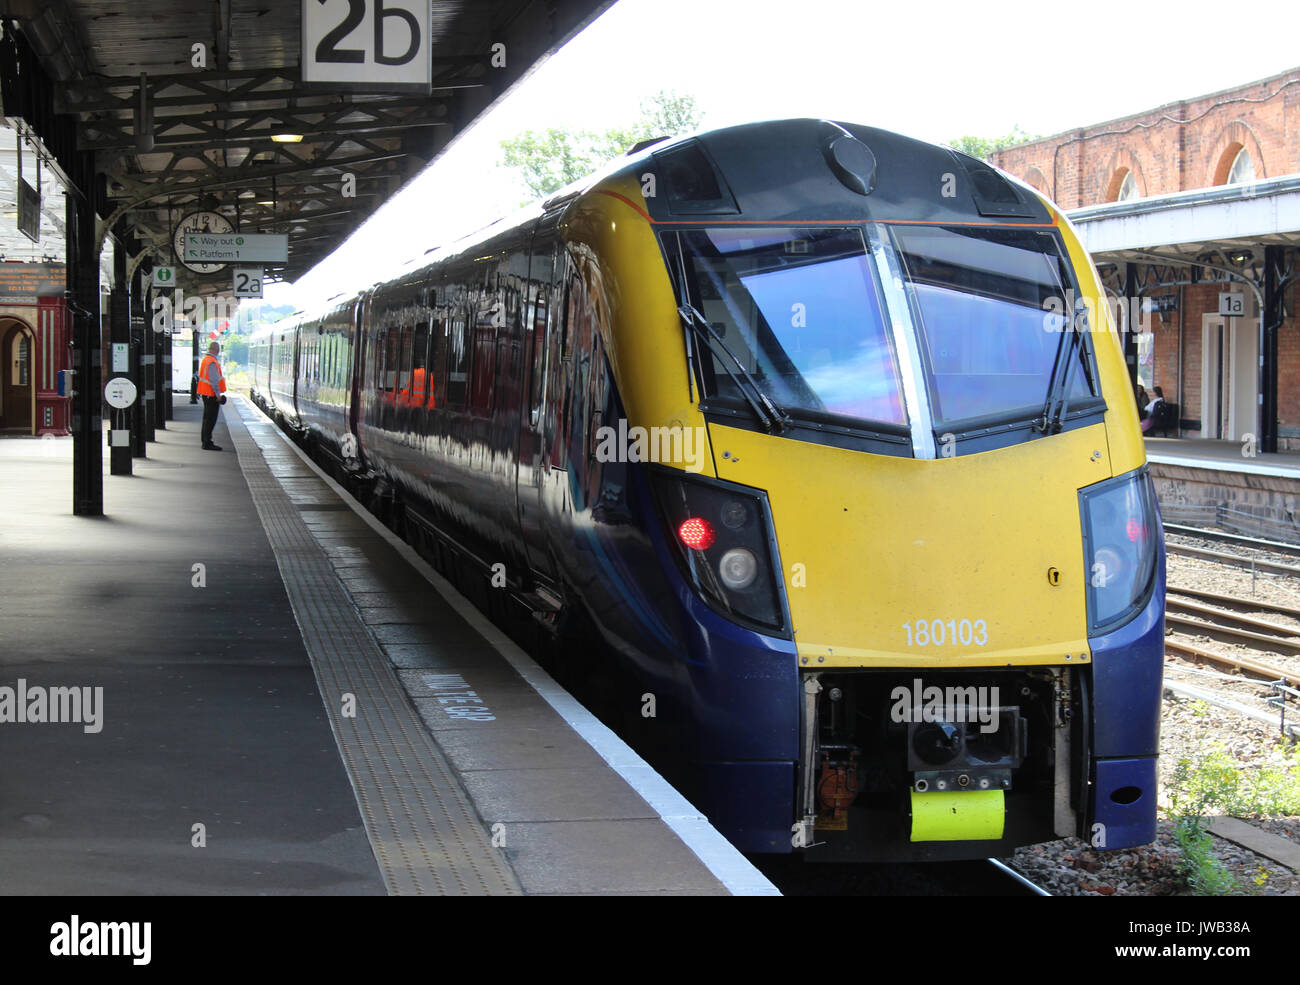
x,y
536,471
357,347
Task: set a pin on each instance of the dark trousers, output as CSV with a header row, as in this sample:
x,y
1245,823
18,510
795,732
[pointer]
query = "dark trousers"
x,y
211,407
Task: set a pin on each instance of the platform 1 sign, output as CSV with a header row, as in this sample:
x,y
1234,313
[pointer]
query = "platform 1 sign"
x,y
236,247
368,43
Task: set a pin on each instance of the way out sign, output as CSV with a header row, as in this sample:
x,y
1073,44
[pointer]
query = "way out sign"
x,y
248,282
368,43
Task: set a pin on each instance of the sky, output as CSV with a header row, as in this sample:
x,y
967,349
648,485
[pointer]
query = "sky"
x,y
932,70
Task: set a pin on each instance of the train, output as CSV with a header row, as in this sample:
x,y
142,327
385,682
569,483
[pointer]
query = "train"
x,y
815,445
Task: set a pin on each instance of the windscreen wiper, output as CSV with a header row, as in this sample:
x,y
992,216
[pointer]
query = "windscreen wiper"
x,y
769,415
1058,387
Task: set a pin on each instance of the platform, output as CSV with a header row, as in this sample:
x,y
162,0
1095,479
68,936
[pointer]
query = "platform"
x,y
1225,484
310,710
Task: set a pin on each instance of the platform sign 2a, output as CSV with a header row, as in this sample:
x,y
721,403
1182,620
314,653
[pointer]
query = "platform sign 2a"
x,y
368,43
248,282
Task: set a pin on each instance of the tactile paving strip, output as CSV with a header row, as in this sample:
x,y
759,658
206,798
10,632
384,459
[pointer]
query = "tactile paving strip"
x,y
425,833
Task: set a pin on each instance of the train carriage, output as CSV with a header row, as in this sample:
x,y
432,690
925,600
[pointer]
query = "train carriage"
x,y
818,443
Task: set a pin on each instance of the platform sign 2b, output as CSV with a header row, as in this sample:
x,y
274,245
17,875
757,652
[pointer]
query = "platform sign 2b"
x,y
368,43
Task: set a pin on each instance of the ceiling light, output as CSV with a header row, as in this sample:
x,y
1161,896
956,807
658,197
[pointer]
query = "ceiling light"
x,y
268,202
287,138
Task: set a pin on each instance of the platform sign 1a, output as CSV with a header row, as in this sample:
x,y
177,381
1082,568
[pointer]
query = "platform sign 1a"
x,y
248,282
368,43
1232,304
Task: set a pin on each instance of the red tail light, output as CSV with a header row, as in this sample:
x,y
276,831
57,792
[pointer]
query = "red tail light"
x,y
1135,530
696,533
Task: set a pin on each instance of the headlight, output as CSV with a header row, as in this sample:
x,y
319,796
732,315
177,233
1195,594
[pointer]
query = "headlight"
x,y
723,539
1121,532
738,568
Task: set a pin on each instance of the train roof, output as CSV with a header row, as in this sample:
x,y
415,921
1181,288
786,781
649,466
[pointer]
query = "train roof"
x,y
812,169
776,171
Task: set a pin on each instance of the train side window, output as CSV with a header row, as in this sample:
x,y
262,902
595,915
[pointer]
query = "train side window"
x,y
458,352
539,323
490,313
438,356
420,362
406,335
537,312
392,351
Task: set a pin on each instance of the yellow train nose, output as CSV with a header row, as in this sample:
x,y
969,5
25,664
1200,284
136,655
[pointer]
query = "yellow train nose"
x,y
969,561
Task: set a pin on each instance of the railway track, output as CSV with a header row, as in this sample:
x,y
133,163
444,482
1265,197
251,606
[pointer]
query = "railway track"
x,y
1235,602
1249,665
1253,543
1199,619
1236,560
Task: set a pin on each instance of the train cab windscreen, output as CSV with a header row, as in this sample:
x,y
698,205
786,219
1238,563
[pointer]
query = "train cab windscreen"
x,y
800,309
991,306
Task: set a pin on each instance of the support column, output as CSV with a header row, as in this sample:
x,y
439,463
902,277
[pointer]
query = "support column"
x,y
194,367
1130,336
1270,321
119,327
162,361
87,392
148,360
148,374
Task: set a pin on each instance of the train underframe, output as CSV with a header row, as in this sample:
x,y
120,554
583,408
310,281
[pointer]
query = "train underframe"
x,y
938,764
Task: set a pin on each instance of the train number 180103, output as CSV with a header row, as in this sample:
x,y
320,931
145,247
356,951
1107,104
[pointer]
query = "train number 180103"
x,y
936,632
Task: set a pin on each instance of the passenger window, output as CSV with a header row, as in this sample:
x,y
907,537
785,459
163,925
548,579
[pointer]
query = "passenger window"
x,y
458,352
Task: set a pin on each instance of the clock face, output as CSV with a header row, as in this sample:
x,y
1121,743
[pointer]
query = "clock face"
x,y
200,222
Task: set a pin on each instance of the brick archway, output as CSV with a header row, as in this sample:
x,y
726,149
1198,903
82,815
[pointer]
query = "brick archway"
x,y
1036,180
1121,164
1232,140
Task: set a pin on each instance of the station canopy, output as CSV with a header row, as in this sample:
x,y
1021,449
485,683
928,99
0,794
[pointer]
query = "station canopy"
x,y
201,105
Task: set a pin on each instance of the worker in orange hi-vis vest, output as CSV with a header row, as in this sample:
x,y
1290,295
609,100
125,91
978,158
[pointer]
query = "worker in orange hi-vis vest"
x,y
212,388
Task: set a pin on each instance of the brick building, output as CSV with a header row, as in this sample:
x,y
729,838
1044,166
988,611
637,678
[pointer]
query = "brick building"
x,y
1194,143
1183,205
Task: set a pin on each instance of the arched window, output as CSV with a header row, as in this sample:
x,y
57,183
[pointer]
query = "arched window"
x,y
1243,168
1128,189
20,374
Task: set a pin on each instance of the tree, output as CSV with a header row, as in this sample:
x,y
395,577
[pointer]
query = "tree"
x,y
986,147
550,159
547,160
